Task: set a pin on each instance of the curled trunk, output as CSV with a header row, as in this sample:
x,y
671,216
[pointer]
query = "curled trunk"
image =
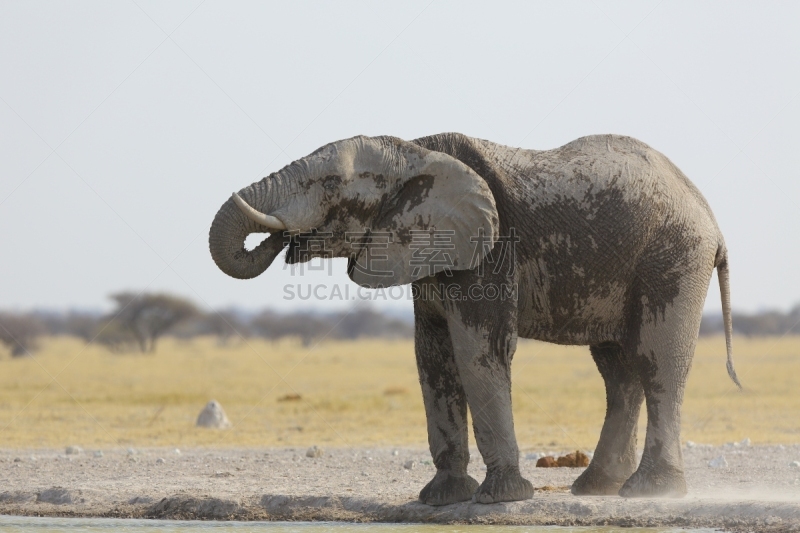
x,y
231,227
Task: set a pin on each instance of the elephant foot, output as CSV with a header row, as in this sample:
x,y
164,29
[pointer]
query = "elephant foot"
x,y
598,480
661,482
446,488
503,485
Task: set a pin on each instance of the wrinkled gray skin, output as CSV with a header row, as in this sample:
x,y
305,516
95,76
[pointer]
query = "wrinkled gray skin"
x,y
615,250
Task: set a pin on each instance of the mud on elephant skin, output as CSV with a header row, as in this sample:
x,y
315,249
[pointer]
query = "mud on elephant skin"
x,y
602,242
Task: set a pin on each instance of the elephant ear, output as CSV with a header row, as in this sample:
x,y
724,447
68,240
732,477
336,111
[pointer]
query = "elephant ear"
x,y
441,216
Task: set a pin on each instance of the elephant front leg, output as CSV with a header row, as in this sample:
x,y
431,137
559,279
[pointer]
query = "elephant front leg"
x,y
445,408
483,356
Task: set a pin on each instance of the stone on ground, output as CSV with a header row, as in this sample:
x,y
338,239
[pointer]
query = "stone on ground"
x,y
314,452
718,462
213,416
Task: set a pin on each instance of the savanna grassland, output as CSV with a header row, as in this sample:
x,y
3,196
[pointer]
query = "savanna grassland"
x,y
356,393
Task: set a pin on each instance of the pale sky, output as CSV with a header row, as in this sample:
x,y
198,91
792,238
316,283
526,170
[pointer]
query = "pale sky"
x,y
125,125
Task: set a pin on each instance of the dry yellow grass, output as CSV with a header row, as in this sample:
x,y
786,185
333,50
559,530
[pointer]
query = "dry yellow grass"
x,y
356,393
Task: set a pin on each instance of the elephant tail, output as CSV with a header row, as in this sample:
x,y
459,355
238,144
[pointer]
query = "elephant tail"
x,y
725,293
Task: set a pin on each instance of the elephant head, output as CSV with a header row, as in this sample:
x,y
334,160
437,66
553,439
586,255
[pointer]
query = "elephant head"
x,y
365,198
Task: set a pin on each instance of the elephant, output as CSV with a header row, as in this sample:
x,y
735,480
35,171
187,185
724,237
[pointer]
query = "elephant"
x,y
602,242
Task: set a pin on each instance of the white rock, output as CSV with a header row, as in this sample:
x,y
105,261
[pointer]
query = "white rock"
x,y
718,462
98,453
73,450
131,451
314,452
533,456
795,464
177,451
213,416
395,452
160,461
690,444
410,464
745,442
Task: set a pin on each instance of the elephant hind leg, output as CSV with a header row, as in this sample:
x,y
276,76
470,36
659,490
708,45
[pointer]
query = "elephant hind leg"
x,y
615,456
661,351
660,472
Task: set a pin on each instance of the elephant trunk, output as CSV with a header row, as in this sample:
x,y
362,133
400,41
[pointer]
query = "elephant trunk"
x,y
231,226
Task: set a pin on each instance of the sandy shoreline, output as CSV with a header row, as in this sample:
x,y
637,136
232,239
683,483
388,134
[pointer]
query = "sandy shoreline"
x,y
758,490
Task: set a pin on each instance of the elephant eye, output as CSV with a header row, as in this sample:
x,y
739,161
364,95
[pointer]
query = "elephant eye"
x,y
330,183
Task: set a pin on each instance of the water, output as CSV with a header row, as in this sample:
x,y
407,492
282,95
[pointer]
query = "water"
x,y
23,524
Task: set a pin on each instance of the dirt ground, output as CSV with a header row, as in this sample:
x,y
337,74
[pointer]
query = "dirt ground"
x,y
758,490
360,401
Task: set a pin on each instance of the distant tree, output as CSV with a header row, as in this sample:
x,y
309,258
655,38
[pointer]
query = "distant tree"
x,y
762,324
115,336
79,324
346,325
793,320
711,324
306,326
225,325
19,333
149,316
82,325
267,325
367,322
